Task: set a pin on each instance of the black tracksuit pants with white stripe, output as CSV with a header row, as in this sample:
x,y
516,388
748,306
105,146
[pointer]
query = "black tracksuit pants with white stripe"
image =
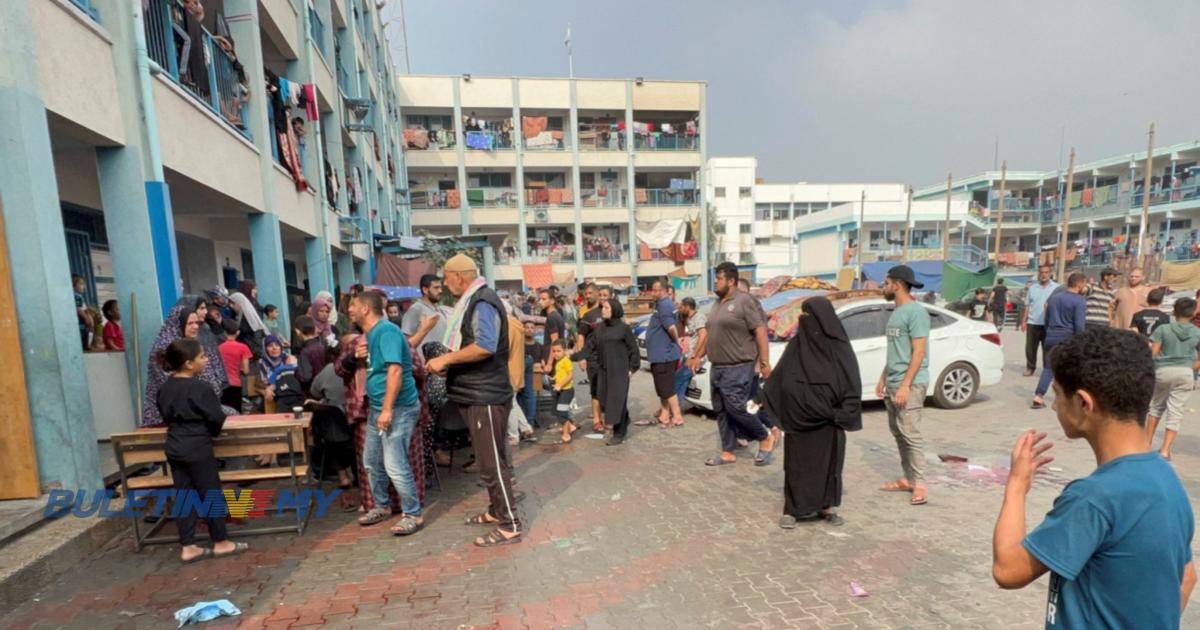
x,y
488,425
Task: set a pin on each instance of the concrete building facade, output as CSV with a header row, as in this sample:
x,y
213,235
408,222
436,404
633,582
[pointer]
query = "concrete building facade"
x,y
141,152
585,175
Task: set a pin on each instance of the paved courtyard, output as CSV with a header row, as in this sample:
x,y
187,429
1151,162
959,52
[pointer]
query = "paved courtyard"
x,y
641,536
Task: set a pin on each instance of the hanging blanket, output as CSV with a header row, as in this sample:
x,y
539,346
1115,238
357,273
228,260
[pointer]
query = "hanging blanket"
x,y
533,125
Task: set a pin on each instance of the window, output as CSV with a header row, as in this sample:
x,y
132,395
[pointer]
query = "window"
x,y
744,228
1105,233
762,212
719,192
719,228
782,215
744,192
746,258
489,180
763,240
938,319
865,323
1178,224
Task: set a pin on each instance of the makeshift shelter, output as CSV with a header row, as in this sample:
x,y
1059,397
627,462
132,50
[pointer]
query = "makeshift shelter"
x,y
958,282
1181,275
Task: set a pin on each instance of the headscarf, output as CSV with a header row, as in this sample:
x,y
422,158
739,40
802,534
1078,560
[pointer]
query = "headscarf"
x,y
614,326
266,364
172,329
333,312
816,381
249,315
246,288
324,328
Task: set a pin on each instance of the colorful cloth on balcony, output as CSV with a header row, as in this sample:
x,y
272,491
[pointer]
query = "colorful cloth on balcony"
x,y
416,138
310,106
538,275
453,199
479,140
533,125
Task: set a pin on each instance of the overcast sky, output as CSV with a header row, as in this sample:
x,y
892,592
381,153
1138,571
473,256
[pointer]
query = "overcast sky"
x,y
860,90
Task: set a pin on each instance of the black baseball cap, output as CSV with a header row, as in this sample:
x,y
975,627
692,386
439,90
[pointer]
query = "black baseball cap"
x,y
905,273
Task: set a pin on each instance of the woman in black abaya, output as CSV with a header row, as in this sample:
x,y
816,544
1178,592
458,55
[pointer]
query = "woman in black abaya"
x,y
619,358
815,392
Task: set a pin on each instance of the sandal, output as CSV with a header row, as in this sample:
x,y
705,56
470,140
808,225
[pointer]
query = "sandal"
x,y
919,497
495,538
205,554
645,423
1037,404
787,521
237,548
717,460
481,519
763,458
407,526
896,486
347,499
376,515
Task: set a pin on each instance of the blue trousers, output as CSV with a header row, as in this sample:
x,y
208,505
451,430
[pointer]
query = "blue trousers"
x,y
730,392
386,459
683,376
1047,375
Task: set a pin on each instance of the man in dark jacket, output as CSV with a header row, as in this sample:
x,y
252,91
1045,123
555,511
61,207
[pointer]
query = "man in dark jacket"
x,y
476,370
311,353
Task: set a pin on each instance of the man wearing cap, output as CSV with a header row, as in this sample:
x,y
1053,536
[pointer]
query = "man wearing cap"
x,y
476,371
905,378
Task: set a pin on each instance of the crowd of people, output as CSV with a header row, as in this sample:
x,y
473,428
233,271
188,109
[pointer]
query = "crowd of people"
x,y
378,384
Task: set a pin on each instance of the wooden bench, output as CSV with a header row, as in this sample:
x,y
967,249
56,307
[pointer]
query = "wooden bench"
x,y
242,436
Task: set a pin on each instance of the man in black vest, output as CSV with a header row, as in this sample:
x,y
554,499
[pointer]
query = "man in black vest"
x,y
476,370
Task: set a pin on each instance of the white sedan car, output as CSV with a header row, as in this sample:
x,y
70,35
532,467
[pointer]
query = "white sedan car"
x,y
964,355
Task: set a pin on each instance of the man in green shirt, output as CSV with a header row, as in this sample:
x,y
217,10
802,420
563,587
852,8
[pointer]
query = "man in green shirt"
x,y
1174,348
905,378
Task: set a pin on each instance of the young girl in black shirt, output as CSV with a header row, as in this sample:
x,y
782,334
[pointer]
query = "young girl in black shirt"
x,y
193,417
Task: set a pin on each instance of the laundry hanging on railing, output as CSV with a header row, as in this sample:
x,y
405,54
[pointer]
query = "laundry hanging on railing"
x,y
310,94
416,138
682,184
533,125
542,139
480,140
661,234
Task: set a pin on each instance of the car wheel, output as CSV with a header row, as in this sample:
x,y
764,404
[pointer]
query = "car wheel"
x,y
956,387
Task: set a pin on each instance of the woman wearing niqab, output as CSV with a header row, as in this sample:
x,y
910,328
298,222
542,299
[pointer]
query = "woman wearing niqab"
x,y
815,392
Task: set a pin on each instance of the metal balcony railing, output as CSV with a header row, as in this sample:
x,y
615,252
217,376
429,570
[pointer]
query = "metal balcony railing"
x,y
603,197
666,197
211,77
666,142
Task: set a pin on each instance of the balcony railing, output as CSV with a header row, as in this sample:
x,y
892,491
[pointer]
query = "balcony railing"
x,y
492,197
545,141
488,141
316,29
87,7
603,197
591,140
419,139
549,198
689,250
666,197
430,200
354,229
211,77
1088,203
666,142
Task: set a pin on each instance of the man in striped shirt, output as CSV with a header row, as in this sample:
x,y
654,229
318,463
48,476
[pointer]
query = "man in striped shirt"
x,y
1100,300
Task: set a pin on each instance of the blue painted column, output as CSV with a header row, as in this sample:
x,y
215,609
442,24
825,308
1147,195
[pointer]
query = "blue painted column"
x,y
266,244
132,241
59,403
320,266
345,269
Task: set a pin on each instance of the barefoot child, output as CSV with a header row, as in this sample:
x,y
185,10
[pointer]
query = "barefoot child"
x,y
1174,348
1117,542
193,416
564,387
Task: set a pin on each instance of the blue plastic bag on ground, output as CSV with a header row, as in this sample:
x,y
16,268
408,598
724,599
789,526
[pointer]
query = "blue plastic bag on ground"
x,y
206,611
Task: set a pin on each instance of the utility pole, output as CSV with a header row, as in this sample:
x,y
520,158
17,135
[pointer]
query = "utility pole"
x,y
1141,250
908,226
862,220
1061,253
946,229
1000,218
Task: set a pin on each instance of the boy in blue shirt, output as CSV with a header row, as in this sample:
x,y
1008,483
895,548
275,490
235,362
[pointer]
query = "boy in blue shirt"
x,y
1117,542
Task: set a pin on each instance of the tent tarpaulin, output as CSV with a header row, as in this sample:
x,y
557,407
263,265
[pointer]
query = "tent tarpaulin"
x,y
660,234
538,275
929,272
1179,275
958,282
400,272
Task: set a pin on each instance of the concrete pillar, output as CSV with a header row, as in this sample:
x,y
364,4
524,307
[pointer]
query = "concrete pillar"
x,y
345,268
460,148
519,180
703,239
265,242
59,404
629,176
572,136
320,266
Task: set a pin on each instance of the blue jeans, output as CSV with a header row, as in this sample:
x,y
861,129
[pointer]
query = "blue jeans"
x,y
386,459
683,376
730,392
527,398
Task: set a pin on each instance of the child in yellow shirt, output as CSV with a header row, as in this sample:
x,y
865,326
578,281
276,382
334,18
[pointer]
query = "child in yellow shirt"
x,y
563,382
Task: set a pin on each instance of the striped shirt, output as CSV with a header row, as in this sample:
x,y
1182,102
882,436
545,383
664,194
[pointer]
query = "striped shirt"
x,y
1099,306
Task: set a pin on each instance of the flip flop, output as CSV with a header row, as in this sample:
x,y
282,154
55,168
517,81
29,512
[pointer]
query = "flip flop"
x,y
205,554
1037,405
237,548
646,423
919,500
895,486
763,458
718,461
